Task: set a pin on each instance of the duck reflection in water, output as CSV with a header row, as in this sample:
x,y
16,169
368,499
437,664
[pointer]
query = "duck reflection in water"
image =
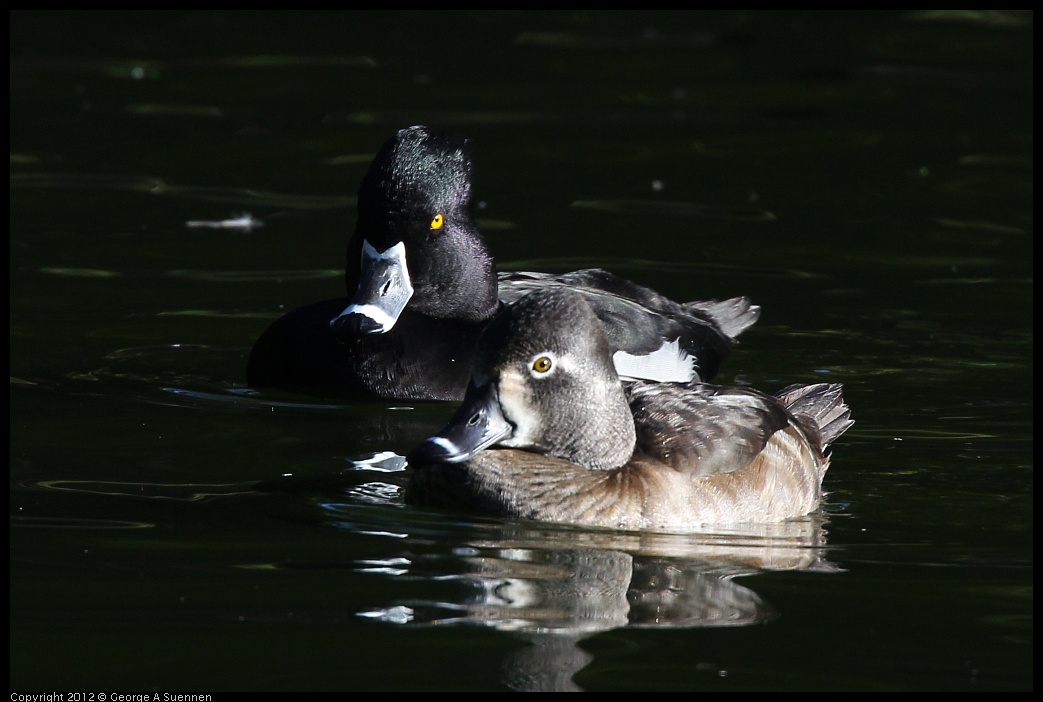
x,y
552,587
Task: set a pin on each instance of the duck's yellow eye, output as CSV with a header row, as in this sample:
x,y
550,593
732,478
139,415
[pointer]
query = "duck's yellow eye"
x,y
438,221
542,364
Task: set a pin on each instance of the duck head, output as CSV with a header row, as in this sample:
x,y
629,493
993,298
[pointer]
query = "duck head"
x,y
416,245
543,381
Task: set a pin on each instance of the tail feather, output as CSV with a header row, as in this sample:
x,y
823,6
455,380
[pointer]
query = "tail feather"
x,y
733,316
822,404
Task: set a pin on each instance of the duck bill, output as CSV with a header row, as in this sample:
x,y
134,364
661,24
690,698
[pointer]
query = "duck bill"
x,y
383,292
477,424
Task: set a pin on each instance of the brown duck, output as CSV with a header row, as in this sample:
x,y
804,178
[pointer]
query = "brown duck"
x,y
548,431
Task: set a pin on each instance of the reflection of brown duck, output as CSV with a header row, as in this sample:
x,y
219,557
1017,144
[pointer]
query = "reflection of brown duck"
x,y
540,578
582,447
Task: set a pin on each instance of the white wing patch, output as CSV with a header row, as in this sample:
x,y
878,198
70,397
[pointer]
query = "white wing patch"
x,y
667,364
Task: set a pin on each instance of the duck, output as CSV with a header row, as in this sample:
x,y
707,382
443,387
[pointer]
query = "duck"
x,y
421,285
548,431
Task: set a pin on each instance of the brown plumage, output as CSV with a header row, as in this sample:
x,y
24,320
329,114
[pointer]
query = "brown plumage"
x,y
576,445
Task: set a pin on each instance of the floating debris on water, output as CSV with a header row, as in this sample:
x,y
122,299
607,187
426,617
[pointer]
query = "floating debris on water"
x,y
246,222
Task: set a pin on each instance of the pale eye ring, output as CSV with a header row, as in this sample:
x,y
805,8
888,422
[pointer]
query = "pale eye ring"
x,y
542,364
438,221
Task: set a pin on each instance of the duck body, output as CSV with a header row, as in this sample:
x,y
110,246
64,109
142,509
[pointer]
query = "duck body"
x,y
423,358
422,285
548,431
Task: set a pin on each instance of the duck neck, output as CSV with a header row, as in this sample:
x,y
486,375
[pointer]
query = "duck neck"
x,y
603,438
479,299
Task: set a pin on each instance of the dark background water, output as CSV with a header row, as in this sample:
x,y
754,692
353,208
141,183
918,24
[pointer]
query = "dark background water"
x,y
864,176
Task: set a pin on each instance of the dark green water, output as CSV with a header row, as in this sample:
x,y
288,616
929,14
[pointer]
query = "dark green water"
x,y
865,177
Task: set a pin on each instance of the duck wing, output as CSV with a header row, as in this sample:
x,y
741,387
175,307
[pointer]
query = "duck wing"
x,y
701,429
